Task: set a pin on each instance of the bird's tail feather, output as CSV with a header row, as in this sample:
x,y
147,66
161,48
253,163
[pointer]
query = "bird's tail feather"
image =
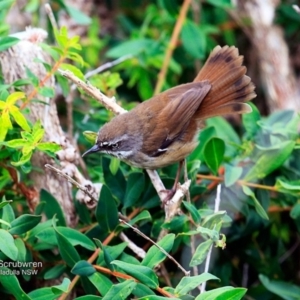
x,y
230,86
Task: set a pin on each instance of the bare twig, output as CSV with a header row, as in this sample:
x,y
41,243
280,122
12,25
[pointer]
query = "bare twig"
x,y
186,273
207,262
131,245
72,181
193,238
51,17
172,45
107,65
109,103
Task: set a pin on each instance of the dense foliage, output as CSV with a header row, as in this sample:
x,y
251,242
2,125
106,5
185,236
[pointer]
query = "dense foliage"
x,y
256,161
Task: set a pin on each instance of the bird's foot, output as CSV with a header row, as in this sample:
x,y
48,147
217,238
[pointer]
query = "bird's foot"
x,y
169,195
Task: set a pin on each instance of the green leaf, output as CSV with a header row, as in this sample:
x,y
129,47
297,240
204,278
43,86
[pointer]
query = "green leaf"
x,y
14,97
63,287
154,255
78,16
8,215
46,91
232,174
291,187
154,297
194,46
134,188
77,72
89,297
21,249
101,282
109,253
48,146
5,4
259,209
17,143
106,211
7,245
83,268
7,42
74,237
214,153
45,293
4,203
143,215
284,290
132,47
120,291
3,130
193,211
10,282
24,223
55,272
220,3
225,131
115,182
24,158
114,165
208,233
200,253
143,274
106,255
68,253
210,221
222,294
295,212
19,118
52,207
90,136
187,284
270,160
250,121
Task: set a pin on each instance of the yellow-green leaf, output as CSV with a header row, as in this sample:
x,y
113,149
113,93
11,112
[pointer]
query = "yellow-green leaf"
x,y
12,98
19,118
24,159
90,136
6,123
48,146
3,130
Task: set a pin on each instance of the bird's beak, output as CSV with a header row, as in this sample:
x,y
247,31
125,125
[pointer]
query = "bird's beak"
x,y
94,149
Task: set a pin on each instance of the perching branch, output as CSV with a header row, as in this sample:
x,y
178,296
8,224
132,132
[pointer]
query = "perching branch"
x,y
186,273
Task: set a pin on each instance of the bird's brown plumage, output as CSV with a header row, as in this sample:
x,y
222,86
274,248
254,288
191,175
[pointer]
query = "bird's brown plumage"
x,y
163,129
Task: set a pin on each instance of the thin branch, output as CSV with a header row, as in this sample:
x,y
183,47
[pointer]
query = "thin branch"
x,y
109,103
107,65
288,253
186,273
240,182
172,45
193,238
129,277
94,256
207,262
51,17
131,245
72,181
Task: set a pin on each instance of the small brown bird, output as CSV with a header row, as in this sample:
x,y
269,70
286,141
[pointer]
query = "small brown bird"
x,y
164,129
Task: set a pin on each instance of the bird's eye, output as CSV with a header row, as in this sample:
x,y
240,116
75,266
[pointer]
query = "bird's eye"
x,y
115,146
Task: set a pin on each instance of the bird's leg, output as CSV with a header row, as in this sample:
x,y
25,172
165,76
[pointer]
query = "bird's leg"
x,y
170,193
